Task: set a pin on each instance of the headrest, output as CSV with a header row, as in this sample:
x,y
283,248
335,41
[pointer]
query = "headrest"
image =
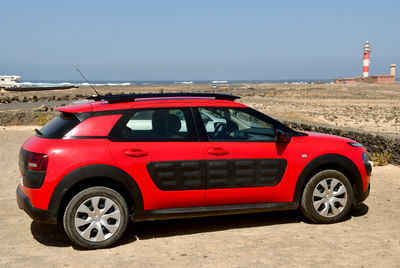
x,y
173,124
158,123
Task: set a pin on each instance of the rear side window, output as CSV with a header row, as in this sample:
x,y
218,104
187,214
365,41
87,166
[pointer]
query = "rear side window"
x,y
59,126
157,124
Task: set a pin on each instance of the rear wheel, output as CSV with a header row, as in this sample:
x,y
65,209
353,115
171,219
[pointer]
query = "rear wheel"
x,y
96,217
327,197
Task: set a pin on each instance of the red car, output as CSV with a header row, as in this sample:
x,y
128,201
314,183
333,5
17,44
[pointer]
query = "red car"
x,y
158,156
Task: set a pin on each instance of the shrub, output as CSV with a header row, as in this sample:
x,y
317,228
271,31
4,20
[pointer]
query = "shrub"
x,y
43,118
381,158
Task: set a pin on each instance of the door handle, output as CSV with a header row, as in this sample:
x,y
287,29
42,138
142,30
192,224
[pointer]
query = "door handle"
x,y
217,151
135,152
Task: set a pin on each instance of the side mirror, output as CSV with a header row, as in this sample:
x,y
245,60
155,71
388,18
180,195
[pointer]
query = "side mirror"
x,y
282,137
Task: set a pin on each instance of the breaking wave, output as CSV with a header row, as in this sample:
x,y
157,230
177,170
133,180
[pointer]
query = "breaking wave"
x,y
184,82
38,84
105,84
219,82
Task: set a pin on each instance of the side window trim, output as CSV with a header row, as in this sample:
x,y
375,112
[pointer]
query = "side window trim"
x,y
115,132
200,128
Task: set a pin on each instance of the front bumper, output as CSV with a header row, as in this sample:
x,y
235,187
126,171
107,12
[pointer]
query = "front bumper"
x,y
368,168
362,196
40,215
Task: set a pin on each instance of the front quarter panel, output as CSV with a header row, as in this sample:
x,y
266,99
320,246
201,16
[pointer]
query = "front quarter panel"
x,y
319,150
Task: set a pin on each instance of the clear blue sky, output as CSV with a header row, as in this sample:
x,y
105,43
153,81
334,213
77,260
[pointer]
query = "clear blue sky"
x,y
196,40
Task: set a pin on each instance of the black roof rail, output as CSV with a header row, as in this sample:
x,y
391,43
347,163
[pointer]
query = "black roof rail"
x,y
132,97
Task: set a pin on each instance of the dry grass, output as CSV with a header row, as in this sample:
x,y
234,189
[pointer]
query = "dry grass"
x,y
43,119
381,159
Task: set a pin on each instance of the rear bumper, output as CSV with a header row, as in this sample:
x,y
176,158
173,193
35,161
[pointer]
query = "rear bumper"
x,y
40,215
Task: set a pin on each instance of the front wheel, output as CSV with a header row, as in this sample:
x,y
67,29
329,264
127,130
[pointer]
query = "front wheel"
x,y
327,197
96,217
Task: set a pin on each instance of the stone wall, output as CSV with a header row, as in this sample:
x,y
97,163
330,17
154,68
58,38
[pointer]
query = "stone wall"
x,y
25,118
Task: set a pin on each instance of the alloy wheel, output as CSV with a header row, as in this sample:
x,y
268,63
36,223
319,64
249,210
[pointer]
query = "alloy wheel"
x,y
97,219
329,197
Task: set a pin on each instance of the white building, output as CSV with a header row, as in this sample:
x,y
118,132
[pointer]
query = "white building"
x,y
7,81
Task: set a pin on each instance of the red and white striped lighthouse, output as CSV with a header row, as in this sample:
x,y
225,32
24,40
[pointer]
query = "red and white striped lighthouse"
x,y
367,51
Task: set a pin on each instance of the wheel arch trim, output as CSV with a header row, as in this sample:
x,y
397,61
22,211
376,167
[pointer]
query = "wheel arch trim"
x,y
108,172
330,161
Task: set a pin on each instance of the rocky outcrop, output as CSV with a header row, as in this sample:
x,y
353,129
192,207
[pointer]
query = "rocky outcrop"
x,y
34,98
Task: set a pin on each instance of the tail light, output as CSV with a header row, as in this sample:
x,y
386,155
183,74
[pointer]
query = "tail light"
x,y
37,161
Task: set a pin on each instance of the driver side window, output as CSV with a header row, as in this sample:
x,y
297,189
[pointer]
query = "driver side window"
x,y
235,124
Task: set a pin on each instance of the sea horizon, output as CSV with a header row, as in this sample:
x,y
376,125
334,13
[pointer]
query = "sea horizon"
x,y
66,82
165,82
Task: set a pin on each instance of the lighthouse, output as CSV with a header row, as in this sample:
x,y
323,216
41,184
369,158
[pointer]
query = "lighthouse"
x,y
367,51
375,79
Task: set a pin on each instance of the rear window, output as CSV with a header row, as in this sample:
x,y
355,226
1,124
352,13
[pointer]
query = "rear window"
x,y
59,126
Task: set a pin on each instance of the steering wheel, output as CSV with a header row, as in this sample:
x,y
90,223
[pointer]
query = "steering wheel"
x,y
219,130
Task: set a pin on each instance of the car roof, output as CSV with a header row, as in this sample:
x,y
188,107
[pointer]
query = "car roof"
x,y
130,101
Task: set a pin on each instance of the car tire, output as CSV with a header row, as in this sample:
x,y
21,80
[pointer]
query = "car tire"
x,y
327,197
96,217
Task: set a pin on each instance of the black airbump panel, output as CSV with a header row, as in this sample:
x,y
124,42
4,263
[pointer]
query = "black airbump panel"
x,y
178,175
216,174
235,173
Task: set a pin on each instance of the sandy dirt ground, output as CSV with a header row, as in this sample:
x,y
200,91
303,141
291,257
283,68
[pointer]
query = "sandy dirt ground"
x,y
370,237
369,107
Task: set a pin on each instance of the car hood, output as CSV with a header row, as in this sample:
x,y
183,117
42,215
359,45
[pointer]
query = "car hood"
x,y
330,137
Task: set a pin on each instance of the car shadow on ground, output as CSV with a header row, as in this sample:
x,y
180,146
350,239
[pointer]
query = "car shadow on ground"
x,y
54,235
50,235
360,210
169,228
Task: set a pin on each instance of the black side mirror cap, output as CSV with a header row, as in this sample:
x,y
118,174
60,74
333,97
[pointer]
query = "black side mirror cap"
x,y
282,137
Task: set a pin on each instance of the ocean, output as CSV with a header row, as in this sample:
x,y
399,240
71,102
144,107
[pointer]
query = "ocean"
x,y
37,83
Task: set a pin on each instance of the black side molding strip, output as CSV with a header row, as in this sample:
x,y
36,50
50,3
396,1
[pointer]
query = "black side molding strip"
x,y
216,174
191,212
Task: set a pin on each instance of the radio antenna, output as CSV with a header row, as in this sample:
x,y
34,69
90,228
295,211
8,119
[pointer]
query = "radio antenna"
x,y
97,93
